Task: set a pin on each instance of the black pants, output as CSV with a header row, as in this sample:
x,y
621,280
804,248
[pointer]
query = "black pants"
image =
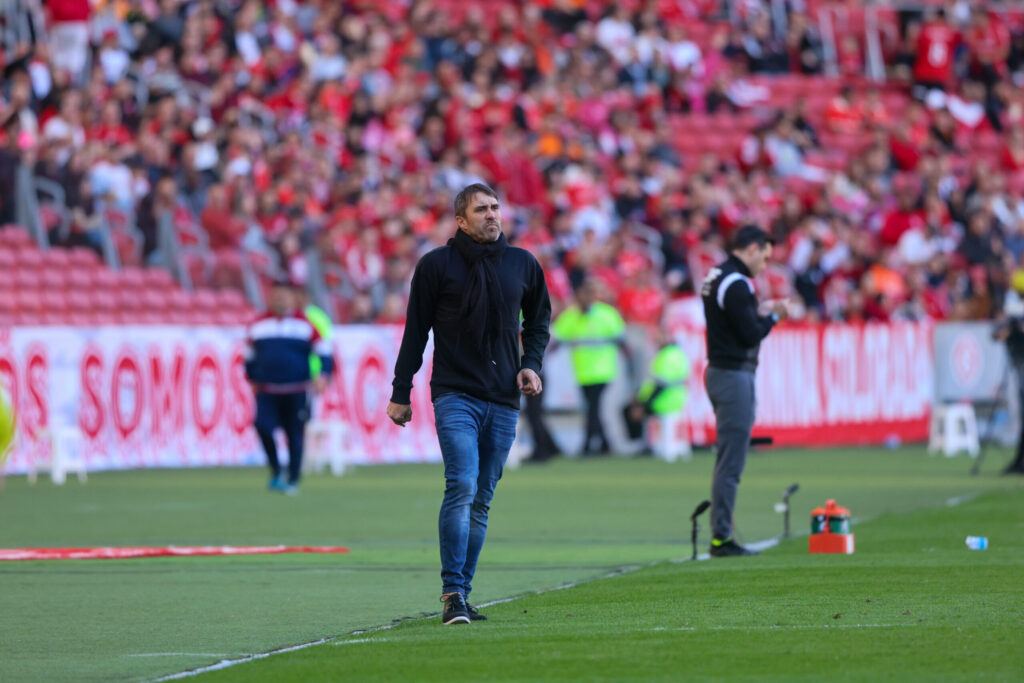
x,y
290,412
1017,465
732,396
592,397
544,446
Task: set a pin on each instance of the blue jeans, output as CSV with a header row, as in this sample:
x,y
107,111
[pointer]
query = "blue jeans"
x,y
475,438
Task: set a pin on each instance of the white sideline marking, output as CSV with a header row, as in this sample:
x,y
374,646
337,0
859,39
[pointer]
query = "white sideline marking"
x,y
225,663
788,627
361,640
759,545
178,654
958,500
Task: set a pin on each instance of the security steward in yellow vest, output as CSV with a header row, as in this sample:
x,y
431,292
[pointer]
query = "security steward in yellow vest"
x,y
595,332
664,392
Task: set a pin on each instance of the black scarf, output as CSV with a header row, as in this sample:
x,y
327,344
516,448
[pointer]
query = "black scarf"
x,y
481,299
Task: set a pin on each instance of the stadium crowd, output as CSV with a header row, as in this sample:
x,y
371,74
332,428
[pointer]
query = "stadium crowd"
x,y
628,140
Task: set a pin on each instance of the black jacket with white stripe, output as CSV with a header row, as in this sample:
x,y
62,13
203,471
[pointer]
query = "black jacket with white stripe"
x,y
734,328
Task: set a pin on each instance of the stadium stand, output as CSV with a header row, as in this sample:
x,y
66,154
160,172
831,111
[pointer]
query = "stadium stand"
x,y
229,143
72,287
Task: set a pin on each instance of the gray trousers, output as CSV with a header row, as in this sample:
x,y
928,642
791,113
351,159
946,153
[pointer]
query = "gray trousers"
x,y
732,396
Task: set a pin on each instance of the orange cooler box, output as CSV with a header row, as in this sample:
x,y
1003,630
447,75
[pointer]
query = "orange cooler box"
x,y
830,530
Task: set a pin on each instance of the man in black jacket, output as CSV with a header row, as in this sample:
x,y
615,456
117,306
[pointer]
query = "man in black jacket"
x,y
734,333
471,292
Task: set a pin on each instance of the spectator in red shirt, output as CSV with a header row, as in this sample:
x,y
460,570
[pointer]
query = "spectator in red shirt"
x,y
904,152
844,115
111,129
642,298
905,217
217,219
936,50
988,42
69,35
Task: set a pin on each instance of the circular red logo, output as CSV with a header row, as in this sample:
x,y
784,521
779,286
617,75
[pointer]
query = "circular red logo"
x,y
967,360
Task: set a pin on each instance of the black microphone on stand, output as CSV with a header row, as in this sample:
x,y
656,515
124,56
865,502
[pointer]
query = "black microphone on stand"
x,y
785,513
697,512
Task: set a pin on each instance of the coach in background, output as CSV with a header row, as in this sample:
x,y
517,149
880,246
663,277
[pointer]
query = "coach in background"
x,y
471,292
735,329
1009,329
277,365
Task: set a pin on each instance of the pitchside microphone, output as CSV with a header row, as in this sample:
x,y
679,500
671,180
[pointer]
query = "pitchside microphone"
x,y
697,512
783,507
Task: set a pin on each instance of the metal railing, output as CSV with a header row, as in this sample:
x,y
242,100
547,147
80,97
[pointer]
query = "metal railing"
x,y
26,206
169,249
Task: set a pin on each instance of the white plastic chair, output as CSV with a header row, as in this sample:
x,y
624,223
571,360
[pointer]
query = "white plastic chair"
x,y
65,455
666,435
324,440
954,428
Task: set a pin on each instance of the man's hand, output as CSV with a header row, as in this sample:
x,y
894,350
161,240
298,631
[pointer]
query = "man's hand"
x,y
529,382
780,307
319,384
399,414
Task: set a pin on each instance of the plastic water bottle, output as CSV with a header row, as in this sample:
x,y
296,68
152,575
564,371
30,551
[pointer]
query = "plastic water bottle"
x,y
977,543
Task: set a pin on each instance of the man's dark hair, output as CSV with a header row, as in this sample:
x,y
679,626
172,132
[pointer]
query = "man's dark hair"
x,y
463,197
750,234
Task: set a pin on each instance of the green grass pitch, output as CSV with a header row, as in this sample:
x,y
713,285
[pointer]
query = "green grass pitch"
x,y
912,601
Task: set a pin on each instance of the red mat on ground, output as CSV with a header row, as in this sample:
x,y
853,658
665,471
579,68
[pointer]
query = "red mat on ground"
x,y
15,554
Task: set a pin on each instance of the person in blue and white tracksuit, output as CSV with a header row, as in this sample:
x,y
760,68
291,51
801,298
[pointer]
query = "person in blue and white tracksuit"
x,y
277,366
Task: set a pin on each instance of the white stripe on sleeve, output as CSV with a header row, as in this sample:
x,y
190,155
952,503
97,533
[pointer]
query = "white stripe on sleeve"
x,y
726,282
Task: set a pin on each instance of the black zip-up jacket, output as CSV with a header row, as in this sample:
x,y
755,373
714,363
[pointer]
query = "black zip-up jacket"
x,y
734,328
459,362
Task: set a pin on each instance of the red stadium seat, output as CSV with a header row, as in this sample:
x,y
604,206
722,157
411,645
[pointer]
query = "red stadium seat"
x,y
104,302
29,279
53,278
129,300
54,306
232,299
28,301
15,236
56,258
107,279
158,278
80,278
29,257
131,278
82,256
7,303
79,300
227,269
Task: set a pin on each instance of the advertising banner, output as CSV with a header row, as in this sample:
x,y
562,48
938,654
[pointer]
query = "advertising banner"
x,y
156,396
169,396
825,384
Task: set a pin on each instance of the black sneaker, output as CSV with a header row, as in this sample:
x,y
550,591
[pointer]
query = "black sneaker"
x,y
455,609
473,614
730,548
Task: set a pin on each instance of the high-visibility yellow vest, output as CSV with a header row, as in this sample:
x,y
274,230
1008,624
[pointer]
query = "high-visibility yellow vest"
x,y
593,337
670,369
322,323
